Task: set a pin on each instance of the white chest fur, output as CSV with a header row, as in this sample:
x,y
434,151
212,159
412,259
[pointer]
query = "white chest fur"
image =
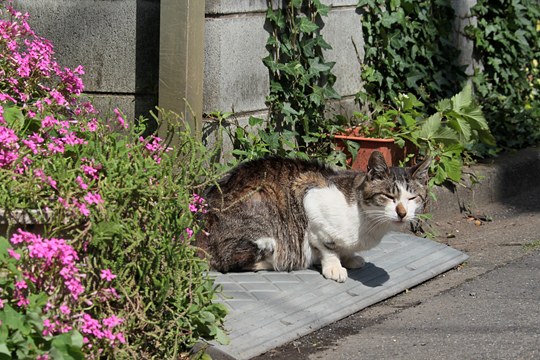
x,y
336,224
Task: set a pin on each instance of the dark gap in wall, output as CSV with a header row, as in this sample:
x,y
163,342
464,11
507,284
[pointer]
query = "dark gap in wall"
x,y
147,56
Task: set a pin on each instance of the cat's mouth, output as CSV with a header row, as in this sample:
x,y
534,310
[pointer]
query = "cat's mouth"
x,y
399,221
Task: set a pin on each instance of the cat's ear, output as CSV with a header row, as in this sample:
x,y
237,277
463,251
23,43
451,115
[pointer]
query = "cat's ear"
x,y
377,168
420,171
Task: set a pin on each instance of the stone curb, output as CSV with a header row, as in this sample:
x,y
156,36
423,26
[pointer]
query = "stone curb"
x,y
485,183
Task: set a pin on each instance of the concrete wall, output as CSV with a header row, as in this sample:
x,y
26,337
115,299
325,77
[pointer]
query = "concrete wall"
x,y
117,41
235,76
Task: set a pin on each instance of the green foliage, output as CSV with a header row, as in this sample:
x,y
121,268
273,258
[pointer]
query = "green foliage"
x,y
458,126
21,332
300,79
408,49
142,231
507,47
143,236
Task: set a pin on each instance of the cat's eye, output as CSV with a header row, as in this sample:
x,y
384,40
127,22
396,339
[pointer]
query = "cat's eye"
x,y
389,197
412,198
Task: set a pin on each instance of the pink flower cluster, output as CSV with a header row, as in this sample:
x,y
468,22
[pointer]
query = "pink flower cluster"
x,y
31,56
35,88
53,266
9,146
198,204
154,146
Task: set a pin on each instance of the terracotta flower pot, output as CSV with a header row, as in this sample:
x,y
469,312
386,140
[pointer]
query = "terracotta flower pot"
x,y
391,151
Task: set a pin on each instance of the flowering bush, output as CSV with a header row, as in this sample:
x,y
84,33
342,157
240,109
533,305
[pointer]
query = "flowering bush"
x,y
118,209
44,303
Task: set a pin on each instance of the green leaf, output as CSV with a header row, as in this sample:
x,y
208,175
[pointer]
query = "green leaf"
x,y
462,128
221,336
77,339
66,347
255,121
462,99
288,110
4,352
315,67
13,117
307,26
430,126
12,319
452,168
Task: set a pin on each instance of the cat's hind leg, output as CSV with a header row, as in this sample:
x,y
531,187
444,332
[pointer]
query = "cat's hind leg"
x,y
267,247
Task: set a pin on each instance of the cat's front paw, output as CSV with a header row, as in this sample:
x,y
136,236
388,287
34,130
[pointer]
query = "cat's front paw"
x,y
335,272
353,262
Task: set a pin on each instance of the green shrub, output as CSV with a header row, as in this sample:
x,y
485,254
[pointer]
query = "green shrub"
x,y
409,49
118,276
507,47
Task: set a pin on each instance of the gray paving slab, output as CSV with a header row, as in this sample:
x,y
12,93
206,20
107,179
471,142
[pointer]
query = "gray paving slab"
x,y
269,309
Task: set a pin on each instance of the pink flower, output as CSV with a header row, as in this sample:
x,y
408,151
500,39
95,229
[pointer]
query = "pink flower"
x,y
107,275
63,202
49,121
13,254
197,204
120,337
82,208
93,198
112,321
52,182
23,301
111,293
8,146
56,147
189,232
64,309
60,99
90,171
120,119
48,327
1,303
81,183
74,287
21,285
92,125
91,326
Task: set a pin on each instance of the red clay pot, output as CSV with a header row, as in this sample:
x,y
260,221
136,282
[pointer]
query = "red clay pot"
x,y
391,152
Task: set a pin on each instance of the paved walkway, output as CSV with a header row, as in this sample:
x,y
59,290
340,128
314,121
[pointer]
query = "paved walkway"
x,y
269,309
495,316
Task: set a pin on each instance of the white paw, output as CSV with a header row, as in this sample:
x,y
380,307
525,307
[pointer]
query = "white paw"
x,y
353,262
335,272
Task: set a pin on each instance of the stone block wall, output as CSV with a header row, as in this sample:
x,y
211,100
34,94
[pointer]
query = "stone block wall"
x,y
235,76
117,41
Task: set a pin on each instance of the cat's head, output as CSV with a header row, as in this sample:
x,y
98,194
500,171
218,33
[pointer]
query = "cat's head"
x,y
393,194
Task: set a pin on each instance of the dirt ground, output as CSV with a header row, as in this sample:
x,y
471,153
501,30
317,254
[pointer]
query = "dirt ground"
x,y
493,235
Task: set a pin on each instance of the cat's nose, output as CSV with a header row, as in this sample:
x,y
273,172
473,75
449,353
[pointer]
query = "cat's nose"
x,y
401,211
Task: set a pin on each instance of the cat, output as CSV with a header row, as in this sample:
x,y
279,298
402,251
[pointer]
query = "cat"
x,y
288,214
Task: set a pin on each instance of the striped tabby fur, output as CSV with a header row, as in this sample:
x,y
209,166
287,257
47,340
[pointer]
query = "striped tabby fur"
x,y
287,214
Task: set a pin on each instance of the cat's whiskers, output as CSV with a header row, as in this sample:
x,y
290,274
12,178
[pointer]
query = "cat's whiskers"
x,y
374,218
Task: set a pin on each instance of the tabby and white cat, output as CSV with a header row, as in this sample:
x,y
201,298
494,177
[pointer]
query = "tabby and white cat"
x,y
288,214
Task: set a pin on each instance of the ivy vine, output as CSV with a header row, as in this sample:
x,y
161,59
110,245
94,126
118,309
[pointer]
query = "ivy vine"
x,y
507,47
409,49
301,81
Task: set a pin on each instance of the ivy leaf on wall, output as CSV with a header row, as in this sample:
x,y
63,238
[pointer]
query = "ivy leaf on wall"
x,y
307,25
